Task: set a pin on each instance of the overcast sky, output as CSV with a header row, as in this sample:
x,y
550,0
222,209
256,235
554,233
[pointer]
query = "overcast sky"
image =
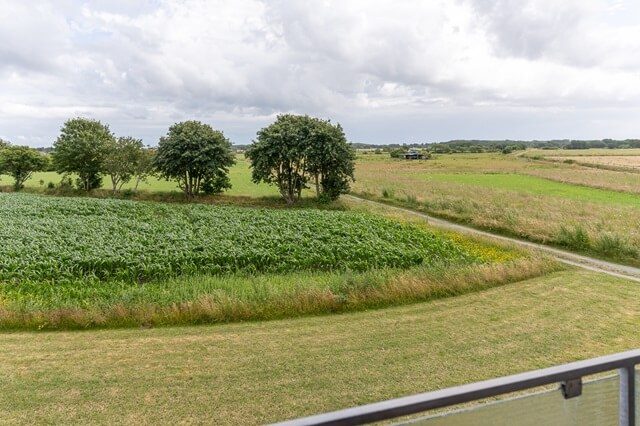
x,y
388,71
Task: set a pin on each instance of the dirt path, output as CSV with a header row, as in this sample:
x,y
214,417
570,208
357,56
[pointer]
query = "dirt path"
x,y
585,262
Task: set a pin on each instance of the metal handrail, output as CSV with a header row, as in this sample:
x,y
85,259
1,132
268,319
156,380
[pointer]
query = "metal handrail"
x,y
570,375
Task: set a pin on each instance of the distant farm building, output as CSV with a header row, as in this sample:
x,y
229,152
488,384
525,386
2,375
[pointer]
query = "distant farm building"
x,y
412,155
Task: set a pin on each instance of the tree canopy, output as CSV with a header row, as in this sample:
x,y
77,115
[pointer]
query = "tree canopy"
x,y
81,148
195,155
296,149
122,160
20,162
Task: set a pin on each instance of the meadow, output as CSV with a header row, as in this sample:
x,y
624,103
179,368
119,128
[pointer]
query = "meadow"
x,y
583,208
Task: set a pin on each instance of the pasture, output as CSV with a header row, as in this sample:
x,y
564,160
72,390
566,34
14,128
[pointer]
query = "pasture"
x,y
583,208
239,174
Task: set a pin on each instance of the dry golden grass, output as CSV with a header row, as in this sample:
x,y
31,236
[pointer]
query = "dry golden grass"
x,y
534,216
259,372
622,161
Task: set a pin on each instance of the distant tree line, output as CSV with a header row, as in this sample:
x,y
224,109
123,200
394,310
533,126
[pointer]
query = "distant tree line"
x,y
505,146
292,153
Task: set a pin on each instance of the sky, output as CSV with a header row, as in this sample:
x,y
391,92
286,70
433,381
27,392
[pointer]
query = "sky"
x,y
387,71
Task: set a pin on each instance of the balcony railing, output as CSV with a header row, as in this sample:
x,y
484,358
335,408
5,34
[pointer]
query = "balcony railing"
x,y
621,406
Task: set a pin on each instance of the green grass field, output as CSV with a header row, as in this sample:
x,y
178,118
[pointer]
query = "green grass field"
x,y
537,186
240,176
253,373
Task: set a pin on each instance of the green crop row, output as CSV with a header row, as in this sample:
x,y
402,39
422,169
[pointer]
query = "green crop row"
x,y
50,239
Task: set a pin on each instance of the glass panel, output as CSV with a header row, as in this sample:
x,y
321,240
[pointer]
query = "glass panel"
x,y
598,405
637,395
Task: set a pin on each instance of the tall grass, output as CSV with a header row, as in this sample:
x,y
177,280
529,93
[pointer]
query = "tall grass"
x,y
207,299
562,215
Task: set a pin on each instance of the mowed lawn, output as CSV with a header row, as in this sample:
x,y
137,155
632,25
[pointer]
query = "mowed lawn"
x,y
250,373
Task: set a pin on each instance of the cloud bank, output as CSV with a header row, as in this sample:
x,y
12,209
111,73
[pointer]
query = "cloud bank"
x,y
389,71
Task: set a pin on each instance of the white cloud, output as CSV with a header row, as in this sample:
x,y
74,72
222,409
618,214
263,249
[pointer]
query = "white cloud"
x,y
143,65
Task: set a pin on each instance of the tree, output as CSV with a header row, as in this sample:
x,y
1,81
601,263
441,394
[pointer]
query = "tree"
x,y
121,160
144,166
81,148
3,143
330,160
278,155
196,156
20,162
296,149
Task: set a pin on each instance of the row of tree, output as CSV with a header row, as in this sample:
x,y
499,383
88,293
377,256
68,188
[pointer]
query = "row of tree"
x,y
292,153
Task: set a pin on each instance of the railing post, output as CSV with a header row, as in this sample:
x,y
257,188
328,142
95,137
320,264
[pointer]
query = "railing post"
x,y
627,413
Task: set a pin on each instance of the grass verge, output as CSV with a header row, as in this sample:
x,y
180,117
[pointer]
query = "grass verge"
x,y
211,299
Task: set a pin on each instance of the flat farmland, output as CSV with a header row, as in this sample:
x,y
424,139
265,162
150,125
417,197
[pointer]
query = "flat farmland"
x,y
585,152
299,310
621,161
87,262
571,205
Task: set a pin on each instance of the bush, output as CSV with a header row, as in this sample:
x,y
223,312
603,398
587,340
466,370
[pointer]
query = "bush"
x,y
577,238
615,245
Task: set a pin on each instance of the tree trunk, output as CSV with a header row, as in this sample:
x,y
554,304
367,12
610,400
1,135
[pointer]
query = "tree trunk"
x,y
114,182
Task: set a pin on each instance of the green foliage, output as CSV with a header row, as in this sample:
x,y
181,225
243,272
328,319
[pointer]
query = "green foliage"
x,y
80,240
576,238
296,149
278,155
82,148
143,167
330,160
614,245
20,162
122,159
195,155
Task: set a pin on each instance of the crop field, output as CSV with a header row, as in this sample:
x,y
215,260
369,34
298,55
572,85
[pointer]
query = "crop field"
x,y
78,239
83,262
585,209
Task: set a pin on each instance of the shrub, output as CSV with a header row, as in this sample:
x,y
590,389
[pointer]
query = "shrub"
x,y
576,238
615,245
